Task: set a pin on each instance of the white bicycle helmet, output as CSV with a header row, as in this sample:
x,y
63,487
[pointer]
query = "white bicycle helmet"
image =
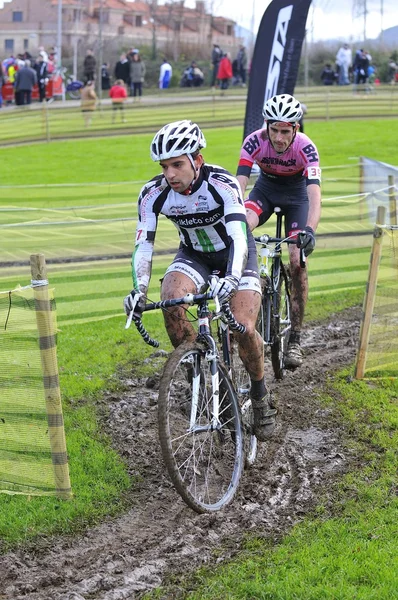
x,y
284,108
176,139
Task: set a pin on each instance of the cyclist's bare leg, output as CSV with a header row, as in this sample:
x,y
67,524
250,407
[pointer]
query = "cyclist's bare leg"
x,y
299,291
179,330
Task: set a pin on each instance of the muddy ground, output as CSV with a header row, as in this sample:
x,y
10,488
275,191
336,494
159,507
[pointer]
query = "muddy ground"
x,y
160,535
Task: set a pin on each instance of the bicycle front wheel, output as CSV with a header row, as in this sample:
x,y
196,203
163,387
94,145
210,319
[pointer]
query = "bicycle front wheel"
x,y
203,452
280,322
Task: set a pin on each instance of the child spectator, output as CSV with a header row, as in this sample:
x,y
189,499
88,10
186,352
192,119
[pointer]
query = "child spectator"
x,y
88,101
118,95
225,72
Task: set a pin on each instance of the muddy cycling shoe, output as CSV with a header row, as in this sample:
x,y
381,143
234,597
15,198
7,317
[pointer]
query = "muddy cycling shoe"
x,y
294,356
264,414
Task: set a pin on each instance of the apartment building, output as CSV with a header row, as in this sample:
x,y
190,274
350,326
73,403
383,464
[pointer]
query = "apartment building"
x,y
27,24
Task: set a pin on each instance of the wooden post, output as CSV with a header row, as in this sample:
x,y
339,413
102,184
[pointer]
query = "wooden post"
x,y
370,294
327,106
362,200
392,200
46,125
48,353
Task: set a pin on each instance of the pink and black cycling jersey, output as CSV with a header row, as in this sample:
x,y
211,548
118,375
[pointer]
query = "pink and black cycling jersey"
x,y
301,159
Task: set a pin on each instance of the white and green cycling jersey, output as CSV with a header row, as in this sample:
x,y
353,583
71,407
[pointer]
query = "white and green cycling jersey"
x,y
210,219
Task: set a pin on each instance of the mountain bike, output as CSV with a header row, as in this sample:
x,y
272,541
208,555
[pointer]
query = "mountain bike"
x,y
205,418
274,322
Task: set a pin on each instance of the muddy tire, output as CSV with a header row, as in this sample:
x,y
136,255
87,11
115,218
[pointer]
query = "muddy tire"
x,y
280,323
204,457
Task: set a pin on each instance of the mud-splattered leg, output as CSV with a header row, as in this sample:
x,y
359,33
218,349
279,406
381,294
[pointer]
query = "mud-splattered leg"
x,y
299,293
179,329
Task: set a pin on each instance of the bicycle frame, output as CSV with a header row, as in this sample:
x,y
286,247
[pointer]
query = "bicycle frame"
x,y
275,318
270,272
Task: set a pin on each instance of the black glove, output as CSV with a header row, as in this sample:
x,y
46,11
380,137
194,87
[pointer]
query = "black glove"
x,y
306,240
134,303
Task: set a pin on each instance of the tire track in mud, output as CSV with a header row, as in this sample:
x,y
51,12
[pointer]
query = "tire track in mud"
x,y
160,535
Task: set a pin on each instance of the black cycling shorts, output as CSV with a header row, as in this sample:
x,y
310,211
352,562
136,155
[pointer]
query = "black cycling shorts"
x,y
198,266
292,199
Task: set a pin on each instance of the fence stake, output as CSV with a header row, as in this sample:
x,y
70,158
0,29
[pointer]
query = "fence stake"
x,y
362,198
52,392
392,200
45,119
370,294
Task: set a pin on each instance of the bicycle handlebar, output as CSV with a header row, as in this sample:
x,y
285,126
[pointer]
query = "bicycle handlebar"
x,y
268,239
190,299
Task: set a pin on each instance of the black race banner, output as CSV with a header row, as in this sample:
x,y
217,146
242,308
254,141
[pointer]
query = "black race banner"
x,y
276,56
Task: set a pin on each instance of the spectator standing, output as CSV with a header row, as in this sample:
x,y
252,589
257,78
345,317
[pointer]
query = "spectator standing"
x,y
216,57
328,76
43,53
11,74
88,101
105,77
122,69
89,66
361,67
51,61
344,63
392,70
165,74
25,79
118,95
242,65
2,79
137,75
42,76
131,53
371,77
225,72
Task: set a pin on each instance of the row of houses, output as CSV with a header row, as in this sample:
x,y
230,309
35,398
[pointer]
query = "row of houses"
x,y
25,25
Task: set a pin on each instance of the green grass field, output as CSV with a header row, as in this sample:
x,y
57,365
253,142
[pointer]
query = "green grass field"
x,y
85,205
51,122
78,198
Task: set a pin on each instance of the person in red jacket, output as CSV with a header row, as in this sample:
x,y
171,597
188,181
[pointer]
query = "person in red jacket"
x,y
225,71
118,95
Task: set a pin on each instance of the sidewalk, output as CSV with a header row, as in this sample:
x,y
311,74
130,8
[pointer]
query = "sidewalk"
x,y
154,98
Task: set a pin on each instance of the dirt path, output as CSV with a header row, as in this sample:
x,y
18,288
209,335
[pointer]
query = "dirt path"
x,y
160,535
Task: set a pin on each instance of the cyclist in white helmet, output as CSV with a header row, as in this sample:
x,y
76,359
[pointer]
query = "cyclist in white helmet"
x,y
205,204
290,178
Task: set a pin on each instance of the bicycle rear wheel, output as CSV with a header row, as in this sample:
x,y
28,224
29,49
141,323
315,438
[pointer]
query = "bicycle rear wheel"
x,y
242,386
203,455
280,322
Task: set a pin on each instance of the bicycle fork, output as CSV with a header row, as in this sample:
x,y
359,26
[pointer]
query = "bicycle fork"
x,y
212,358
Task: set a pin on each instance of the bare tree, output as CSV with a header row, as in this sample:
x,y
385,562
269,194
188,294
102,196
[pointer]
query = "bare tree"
x,y
153,10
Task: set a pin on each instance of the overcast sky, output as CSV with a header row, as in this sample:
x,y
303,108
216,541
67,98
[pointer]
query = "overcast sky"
x,y
327,18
